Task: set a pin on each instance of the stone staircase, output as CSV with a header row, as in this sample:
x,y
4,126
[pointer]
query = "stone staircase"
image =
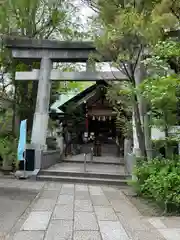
x,y
95,173
108,160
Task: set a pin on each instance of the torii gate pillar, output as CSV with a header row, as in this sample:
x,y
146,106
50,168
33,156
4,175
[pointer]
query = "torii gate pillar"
x,y
41,115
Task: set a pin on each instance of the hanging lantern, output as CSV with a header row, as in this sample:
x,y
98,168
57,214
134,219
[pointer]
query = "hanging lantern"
x,y
104,118
93,118
99,118
109,118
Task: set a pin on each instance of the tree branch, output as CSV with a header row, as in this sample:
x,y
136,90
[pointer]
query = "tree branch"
x,y
137,59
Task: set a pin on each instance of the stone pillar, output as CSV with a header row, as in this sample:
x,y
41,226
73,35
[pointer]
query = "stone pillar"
x,y
136,149
40,122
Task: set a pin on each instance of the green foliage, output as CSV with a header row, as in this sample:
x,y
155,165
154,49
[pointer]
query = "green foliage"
x,y
8,149
119,95
40,19
167,147
129,28
5,121
161,92
125,30
167,49
165,57
162,143
159,179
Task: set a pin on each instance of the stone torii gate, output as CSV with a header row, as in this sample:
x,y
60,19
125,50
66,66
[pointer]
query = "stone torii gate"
x,y
47,52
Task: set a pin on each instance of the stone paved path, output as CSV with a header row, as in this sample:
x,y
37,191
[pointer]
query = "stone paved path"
x,y
85,212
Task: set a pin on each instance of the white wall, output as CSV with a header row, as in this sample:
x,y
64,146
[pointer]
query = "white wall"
x,y
157,134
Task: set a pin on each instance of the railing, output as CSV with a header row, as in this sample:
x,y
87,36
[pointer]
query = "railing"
x,y
85,159
85,155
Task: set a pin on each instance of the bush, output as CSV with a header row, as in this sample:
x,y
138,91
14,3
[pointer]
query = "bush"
x,y
160,147
8,150
159,179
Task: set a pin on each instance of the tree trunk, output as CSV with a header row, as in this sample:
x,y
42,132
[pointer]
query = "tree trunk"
x,y
139,130
140,75
166,131
14,111
15,100
147,135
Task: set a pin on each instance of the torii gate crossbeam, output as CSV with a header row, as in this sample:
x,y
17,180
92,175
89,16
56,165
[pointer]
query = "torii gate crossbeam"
x,y
47,52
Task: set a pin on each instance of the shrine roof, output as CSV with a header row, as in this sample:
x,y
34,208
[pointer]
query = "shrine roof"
x,y
79,96
63,98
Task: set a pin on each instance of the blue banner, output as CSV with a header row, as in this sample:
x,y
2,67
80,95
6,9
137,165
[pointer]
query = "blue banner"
x,y
22,140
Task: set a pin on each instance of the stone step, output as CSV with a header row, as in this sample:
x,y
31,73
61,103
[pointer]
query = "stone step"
x,y
83,174
95,162
86,180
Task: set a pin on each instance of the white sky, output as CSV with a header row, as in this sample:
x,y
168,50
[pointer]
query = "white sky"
x,y
86,12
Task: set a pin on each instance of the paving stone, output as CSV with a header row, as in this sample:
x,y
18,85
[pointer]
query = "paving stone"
x,y
87,235
146,235
134,223
125,208
95,190
83,206
171,222
105,213
68,185
44,205
29,235
37,221
100,200
53,186
170,233
65,199
67,189
81,187
114,195
59,230
109,189
63,212
112,231
156,222
49,194
85,221
13,203
82,195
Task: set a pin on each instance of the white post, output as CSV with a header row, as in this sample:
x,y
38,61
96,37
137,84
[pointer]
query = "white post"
x,y
40,122
136,149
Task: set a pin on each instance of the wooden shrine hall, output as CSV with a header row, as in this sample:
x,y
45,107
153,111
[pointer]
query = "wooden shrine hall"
x,y
91,121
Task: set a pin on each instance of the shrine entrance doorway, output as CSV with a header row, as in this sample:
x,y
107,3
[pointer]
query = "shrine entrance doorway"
x,y
103,129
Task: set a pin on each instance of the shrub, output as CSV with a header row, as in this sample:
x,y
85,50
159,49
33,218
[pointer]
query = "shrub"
x,y
159,179
160,147
8,150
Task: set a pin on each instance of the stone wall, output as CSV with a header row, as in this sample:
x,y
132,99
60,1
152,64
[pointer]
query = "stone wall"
x,y
49,158
130,162
129,158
